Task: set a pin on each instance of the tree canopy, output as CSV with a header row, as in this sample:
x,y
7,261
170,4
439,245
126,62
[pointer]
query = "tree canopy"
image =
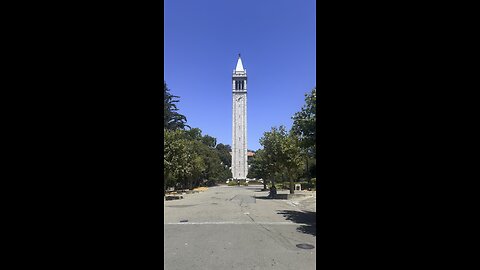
x,y
192,159
172,119
287,155
304,123
281,154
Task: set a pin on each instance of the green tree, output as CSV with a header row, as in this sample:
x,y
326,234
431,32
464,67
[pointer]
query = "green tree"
x,y
225,174
282,154
190,157
304,123
172,119
208,163
198,168
194,134
209,141
260,167
177,157
223,151
272,146
292,158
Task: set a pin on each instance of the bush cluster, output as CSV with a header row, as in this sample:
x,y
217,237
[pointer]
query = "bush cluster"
x,y
305,185
255,183
235,183
311,186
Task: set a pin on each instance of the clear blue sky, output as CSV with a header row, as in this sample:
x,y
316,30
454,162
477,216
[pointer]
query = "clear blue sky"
x,y
277,42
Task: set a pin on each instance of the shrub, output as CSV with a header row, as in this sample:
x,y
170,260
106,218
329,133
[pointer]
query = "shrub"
x,y
308,186
282,186
235,183
254,183
210,183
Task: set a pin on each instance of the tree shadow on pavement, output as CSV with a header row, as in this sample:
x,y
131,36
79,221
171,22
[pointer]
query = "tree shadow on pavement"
x,y
308,220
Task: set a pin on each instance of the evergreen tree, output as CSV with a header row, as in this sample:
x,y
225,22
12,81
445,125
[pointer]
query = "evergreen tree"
x,y
172,119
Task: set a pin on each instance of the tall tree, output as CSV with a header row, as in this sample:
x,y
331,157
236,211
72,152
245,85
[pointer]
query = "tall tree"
x,y
282,153
291,157
172,119
177,159
272,146
260,167
304,123
304,126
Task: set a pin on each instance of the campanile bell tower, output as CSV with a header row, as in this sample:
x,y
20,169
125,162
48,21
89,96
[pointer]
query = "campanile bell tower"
x,y
239,122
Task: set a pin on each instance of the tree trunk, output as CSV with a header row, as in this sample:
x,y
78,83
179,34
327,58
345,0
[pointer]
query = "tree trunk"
x,y
292,188
165,185
308,173
184,183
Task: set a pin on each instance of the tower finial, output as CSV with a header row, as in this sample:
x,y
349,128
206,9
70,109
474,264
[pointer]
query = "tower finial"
x,y
239,64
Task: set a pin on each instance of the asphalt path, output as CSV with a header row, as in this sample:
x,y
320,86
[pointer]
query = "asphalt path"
x,y
238,228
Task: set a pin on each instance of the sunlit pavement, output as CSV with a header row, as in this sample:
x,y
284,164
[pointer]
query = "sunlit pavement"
x,y
238,228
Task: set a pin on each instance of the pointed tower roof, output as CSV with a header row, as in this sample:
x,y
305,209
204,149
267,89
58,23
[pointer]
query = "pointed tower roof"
x,y
239,64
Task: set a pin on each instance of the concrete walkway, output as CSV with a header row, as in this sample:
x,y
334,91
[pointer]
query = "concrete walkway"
x,y
238,228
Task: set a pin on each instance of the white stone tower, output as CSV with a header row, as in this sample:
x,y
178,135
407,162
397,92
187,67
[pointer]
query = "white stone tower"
x,y
239,122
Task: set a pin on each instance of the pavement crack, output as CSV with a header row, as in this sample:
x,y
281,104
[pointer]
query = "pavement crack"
x,y
251,218
275,236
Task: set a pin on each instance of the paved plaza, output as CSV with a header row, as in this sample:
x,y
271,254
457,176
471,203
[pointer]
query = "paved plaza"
x,y
238,228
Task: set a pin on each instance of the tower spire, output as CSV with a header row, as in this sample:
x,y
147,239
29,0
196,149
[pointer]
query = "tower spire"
x,y
239,64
